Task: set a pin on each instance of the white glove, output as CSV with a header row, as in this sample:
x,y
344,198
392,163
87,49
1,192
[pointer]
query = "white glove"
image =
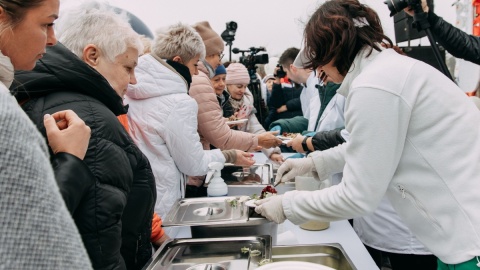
x,y
293,167
271,208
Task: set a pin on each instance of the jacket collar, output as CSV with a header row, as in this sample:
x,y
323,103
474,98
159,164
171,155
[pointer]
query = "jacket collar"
x,y
6,70
359,63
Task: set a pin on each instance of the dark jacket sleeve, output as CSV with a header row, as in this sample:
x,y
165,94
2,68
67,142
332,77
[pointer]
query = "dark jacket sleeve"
x,y
73,177
294,104
454,40
327,139
276,100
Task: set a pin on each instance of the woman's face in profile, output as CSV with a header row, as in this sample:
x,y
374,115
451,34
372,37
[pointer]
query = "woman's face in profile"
x,y
27,41
121,72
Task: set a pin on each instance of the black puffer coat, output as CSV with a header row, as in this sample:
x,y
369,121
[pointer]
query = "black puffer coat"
x,y
454,40
115,209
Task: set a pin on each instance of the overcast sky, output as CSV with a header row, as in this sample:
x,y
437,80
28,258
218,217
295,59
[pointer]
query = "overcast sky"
x,y
274,24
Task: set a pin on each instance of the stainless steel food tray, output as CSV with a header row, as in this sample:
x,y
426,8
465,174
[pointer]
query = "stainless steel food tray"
x,y
211,253
257,174
332,255
206,211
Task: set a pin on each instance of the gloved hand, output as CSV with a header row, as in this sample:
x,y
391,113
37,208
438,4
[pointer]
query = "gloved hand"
x,y
293,167
271,208
277,128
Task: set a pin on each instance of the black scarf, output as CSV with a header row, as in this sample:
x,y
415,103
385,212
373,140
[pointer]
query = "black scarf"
x,y
182,70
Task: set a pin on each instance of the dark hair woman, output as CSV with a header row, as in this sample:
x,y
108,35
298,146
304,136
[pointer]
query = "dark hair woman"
x,y
395,107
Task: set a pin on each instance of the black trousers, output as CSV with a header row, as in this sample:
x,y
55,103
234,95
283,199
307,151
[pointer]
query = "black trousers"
x,y
403,261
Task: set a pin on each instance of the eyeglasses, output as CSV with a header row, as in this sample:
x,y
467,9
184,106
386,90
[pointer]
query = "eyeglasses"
x,y
221,55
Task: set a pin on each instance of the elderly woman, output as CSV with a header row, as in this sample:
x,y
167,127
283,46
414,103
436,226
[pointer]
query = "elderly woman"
x,y
37,232
241,100
89,74
395,106
157,106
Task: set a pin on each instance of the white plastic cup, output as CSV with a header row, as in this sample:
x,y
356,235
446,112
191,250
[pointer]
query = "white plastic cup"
x,y
310,183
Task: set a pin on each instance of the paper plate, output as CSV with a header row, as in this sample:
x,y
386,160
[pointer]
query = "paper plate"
x,y
289,265
238,121
251,203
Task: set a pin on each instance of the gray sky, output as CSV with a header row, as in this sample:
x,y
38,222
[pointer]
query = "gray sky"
x,y
274,24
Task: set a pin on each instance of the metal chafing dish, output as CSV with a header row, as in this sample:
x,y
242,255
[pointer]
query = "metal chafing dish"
x,y
212,253
215,217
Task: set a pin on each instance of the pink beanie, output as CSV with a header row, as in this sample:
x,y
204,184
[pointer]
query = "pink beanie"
x,y
237,74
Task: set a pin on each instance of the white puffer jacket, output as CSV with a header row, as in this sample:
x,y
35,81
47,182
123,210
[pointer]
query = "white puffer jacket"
x,y
163,123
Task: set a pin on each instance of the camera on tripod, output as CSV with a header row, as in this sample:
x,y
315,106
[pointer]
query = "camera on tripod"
x,y
396,6
280,72
253,57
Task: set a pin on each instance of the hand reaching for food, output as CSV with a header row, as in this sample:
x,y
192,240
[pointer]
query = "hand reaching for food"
x,y
244,159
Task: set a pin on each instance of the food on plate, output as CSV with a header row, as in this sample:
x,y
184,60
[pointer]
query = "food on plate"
x,y
289,135
234,201
233,118
267,192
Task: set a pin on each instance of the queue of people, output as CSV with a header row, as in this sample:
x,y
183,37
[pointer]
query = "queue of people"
x,y
81,189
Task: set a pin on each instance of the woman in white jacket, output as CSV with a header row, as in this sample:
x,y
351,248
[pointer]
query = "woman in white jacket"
x,y
162,116
412,139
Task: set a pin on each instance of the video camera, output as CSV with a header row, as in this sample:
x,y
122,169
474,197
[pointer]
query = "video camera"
x,y
253,58
396,6
280,72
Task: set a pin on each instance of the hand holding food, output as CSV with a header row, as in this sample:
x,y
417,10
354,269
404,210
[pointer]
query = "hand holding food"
x,y
277,158
293,167
268,139
296,143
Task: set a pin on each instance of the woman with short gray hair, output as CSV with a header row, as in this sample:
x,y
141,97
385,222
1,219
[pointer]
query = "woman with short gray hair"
x,y
89,74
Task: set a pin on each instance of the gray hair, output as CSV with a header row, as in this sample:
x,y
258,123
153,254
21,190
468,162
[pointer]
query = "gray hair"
x,y
178,39
16,10
97,23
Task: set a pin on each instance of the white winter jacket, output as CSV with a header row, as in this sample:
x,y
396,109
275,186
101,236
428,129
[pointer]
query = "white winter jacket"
x,y
163,123
414,137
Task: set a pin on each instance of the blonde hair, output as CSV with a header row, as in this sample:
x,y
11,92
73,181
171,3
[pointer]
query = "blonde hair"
x,y
178,39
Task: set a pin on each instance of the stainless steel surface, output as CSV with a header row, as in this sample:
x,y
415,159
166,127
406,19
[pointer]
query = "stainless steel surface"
x,y
210,253
331,255
206,211
257,174
254,226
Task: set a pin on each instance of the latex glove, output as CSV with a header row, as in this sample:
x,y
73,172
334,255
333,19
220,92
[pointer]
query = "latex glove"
x,y
66,132
277,128
293,167
271,208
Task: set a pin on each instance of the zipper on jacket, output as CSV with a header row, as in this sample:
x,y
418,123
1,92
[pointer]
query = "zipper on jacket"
x,y
419,206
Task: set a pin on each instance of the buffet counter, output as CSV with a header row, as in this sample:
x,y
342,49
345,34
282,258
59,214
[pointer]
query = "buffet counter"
x,y
289,234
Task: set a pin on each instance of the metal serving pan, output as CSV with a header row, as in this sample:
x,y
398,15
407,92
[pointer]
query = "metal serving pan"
x,y
211,253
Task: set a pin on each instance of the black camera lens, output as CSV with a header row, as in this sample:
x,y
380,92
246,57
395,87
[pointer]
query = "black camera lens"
x,y
396,6
280,72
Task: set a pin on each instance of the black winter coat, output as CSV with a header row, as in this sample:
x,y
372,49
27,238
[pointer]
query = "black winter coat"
x,y
289,96
113,211
454,40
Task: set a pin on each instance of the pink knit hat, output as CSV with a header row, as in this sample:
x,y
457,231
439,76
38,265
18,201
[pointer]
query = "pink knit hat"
x,y
237,74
